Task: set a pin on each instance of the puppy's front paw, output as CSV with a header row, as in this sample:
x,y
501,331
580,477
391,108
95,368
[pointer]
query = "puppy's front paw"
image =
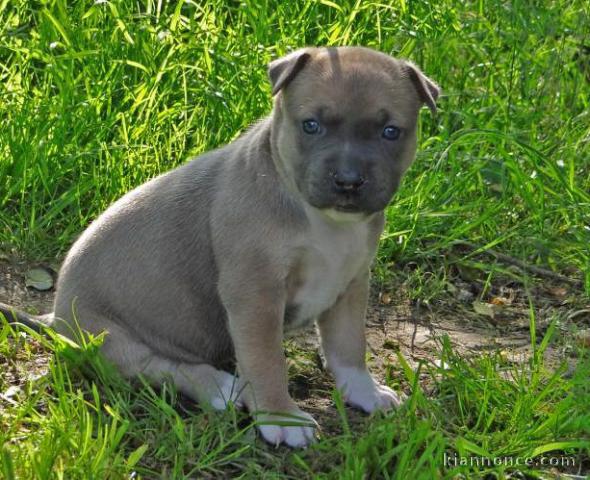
x,y
360,390
295,429
380,397
227,389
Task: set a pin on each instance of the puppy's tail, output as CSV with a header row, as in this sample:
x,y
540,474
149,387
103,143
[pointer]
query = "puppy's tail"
x,y
34,322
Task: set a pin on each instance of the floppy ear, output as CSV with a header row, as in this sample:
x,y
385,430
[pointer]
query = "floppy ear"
x,y
427,90
285,69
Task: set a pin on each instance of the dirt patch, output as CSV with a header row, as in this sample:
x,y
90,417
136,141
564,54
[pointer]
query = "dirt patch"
x,y
13,290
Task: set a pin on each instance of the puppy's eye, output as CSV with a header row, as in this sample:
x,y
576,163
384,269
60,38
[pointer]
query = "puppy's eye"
x,y
311,126
391,133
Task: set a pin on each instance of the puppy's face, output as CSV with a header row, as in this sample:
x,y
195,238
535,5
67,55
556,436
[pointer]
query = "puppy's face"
x,y
345,125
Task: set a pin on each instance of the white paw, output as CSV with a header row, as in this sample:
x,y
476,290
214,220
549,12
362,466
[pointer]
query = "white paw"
x,y
360,390
227,390
296,429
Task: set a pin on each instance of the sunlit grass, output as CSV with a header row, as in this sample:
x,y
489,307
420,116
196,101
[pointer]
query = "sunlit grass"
x,y
82,420
97,98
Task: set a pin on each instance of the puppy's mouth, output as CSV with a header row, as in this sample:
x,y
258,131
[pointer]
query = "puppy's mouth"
x,y
347,208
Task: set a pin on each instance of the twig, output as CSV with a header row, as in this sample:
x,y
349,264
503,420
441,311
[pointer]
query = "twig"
x,y
415,319
540,272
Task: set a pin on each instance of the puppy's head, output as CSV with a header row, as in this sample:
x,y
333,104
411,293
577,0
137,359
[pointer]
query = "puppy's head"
x,y
344,125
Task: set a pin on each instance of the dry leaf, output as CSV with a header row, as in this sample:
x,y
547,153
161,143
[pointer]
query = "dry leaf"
x,y
500,301
487,309
39,279
558,292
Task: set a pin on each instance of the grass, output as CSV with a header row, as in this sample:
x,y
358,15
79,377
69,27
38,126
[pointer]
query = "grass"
x,y
96,98
81,420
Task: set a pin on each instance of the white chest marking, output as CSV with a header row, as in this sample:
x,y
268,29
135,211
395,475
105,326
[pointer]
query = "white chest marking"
x,y
333,254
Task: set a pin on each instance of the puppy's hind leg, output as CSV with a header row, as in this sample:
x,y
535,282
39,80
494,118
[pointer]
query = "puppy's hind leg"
x,y
200,381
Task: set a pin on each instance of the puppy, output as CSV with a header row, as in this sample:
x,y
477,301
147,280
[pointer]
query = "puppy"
x,y
217,259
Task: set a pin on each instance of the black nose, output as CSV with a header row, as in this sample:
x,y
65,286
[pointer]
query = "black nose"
x,y
348,180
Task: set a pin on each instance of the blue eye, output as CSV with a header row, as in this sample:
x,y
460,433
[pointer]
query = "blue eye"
x,y
311,127
391,133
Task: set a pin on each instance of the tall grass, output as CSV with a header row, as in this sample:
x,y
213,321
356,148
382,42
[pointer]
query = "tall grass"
x,y
99,97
